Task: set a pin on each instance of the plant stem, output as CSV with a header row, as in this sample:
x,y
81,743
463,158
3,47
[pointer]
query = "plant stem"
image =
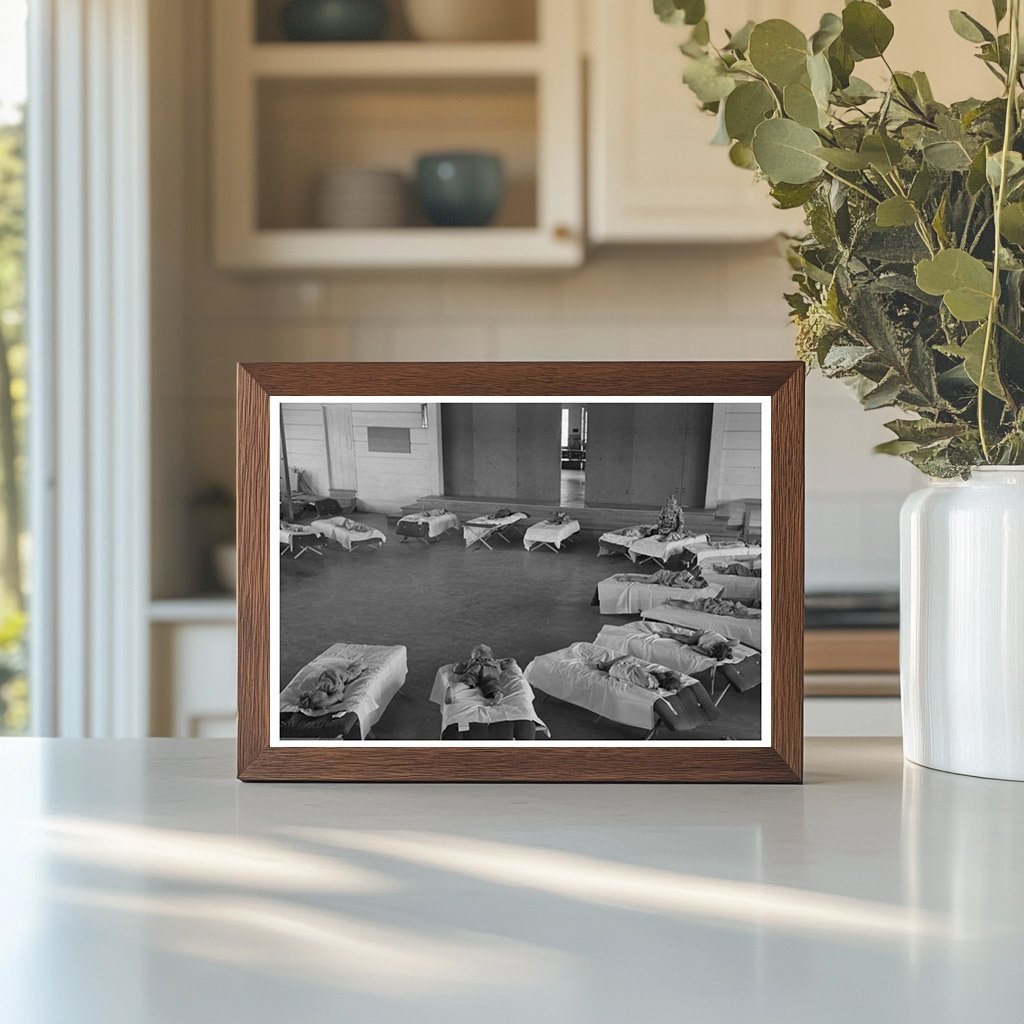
x,y
856,188
993,309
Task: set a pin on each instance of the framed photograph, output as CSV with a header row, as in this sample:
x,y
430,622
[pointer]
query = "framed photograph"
x,y
520,572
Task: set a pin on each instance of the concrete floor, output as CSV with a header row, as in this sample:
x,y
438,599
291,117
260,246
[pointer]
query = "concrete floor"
x,y
574,483
440,600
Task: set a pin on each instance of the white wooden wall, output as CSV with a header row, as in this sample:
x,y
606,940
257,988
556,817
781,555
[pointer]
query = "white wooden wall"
x,y
734,469
305,435
388,480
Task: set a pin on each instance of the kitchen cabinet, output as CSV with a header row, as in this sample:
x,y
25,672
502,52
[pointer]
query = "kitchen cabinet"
x,y
285,114
653,174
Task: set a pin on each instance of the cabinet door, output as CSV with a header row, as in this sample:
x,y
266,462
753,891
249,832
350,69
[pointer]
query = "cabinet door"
x,y
654,175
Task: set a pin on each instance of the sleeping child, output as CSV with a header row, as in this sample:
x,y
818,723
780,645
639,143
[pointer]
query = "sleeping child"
x,y
482,670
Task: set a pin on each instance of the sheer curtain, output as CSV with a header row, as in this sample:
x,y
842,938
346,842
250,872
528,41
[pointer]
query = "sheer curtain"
x,y
88,300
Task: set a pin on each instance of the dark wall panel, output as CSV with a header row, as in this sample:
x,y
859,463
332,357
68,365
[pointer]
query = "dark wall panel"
x,y
494,455
457,448
639,454
610,429
538,453
501,450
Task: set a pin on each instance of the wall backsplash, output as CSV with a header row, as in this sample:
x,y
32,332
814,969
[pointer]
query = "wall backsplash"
x,y
715,302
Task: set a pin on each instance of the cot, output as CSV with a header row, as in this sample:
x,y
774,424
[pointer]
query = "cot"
x,y
550,535
426,526
699,552
467,714
628,593
673,647
736,587
661,549
363,702
572,675
483,528
349,534
746,630
305,538
618,542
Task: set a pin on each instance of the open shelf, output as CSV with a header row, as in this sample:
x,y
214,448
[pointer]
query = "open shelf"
x,y
520,17
393,60
287,113
308,127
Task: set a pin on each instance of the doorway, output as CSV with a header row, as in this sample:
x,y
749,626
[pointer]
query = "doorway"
x,y
574,456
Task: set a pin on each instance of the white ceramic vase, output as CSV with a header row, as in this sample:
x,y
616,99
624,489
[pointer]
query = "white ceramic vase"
x,y
962,624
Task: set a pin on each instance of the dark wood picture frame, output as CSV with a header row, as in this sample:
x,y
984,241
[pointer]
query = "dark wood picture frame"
x,y
781,761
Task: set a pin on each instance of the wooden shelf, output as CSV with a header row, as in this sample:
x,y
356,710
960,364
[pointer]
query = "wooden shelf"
x,y
393,60
852,650
286,112
401,247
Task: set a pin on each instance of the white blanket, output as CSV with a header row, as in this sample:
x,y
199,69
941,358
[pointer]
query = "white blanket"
x,y
550,533
436,525
481,528
347,532
735,588
564,674
384,674
463,704
721,551
662,550
746,631
629,593
642,641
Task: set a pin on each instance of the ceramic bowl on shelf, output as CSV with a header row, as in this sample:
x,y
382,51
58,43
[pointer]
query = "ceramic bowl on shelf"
x,y
333,21
471,20
361,198
460,189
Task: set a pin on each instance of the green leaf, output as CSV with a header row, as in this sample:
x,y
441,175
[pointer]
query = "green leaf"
x,y
882,153
976,173
924,87
923,431
969,28
841,60
829,30
785,152
800,105
741,155
701,33
745,108
947,156
896,212
676,12
739,41
1012,225
789,197
885,394
778,50
895,447
844,159
708,80
963,281
999,7
820,76
971,352
866,29
1014,169
921,185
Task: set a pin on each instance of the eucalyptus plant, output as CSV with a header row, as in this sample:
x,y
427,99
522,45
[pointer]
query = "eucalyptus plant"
x,y
909,280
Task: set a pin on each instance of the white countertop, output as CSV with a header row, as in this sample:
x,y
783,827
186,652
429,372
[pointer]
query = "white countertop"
x,y
143,885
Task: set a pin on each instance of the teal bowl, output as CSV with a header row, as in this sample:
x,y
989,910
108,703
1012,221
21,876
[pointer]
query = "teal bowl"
x,y
334,21
460,190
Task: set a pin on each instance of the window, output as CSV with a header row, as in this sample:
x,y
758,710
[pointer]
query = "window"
x,y
14,714
389,439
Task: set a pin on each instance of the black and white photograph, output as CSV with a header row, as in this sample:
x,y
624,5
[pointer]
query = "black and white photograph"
x,y
550,571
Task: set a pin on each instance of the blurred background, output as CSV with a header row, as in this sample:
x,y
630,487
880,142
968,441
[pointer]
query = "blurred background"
x,y
250,180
